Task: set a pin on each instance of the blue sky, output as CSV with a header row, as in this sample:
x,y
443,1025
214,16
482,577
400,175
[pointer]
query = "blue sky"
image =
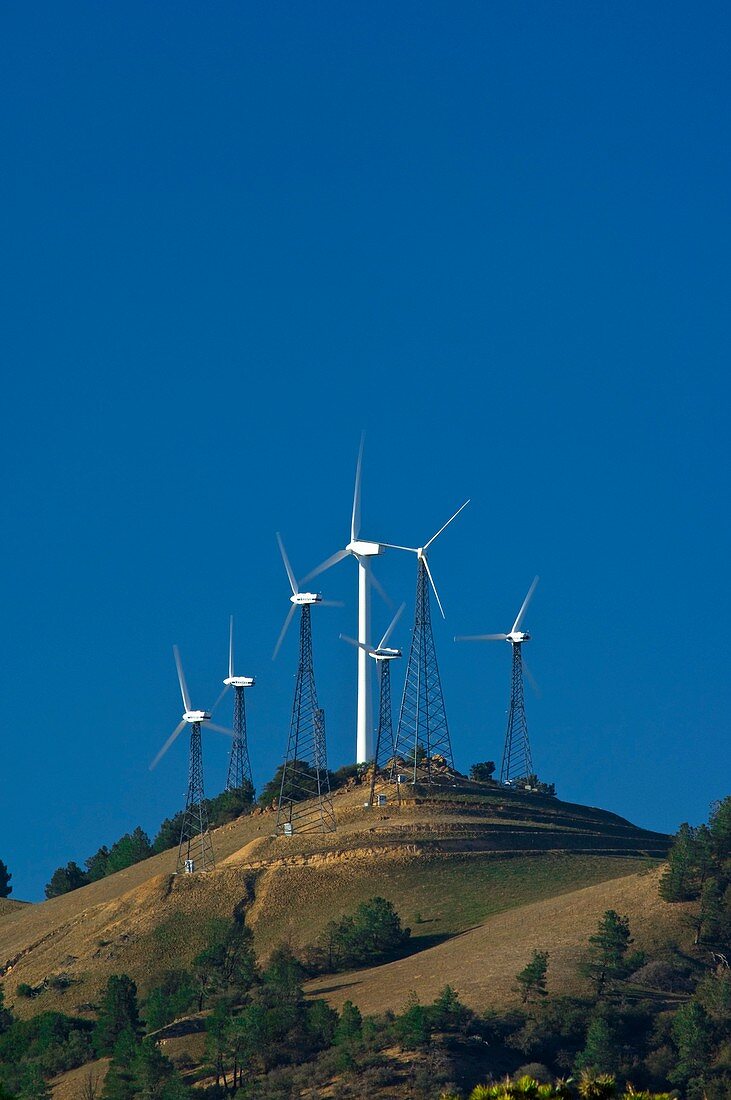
x,y
495,236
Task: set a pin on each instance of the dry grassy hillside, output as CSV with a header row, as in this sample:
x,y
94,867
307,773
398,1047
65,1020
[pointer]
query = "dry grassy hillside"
x,y
448,862
482,962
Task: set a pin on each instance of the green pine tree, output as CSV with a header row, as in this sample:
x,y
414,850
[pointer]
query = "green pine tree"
x,y
532,978
118,1013
605,959
5,877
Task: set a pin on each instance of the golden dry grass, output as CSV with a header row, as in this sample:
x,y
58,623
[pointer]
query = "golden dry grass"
x,y
454,862
481,964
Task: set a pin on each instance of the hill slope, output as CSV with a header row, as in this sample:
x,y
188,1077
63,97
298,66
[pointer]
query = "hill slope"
x,y
449,862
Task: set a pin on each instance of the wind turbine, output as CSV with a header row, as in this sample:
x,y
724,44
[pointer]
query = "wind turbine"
x,y
363,551
239,765
195,851
382,655
422,723
305,774
517,762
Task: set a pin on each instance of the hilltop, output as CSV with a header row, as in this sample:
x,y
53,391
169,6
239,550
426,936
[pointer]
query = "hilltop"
x,y
449,859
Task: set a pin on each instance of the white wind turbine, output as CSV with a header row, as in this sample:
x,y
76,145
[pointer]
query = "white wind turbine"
x,y
297,599
362,551
420,552
517,762
190,717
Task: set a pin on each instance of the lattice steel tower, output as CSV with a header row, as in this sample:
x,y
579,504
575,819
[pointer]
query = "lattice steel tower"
x,y
423,732
305,801
517,762
385,749
195,851
239,766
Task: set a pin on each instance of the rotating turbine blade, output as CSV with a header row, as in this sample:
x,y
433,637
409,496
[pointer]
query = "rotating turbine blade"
x,y
332,560
220,697
220,729
284,630
331,603
428,571
389,632
173,736
355,519
431,540
531,679
524,608
380,590
480,637
355,642
231,647
287,566
181,679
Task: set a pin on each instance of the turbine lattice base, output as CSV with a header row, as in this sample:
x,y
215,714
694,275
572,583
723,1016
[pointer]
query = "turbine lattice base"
x,y
239,766
195,852
517,759
305,801
422,741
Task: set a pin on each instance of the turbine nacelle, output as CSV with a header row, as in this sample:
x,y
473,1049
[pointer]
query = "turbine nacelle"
x,y
301,599
517,637
384,654
193,716
363,549
239,681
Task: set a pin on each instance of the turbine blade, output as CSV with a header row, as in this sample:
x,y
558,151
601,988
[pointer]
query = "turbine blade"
x,y
220,729
531,679
231,647
287,566
181,679
524,608
332,560
331,603
355,519
220,697
380,589
284,630
395,546
167,745
428,570
431,540
480,637
355,642
389,632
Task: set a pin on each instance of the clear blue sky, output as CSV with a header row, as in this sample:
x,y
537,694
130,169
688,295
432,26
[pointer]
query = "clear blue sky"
x,y
496,236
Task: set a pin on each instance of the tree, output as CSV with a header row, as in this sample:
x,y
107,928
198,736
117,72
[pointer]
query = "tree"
x,y
65,879
119,1082
482,773
692,1037
168,835
678,881
153,1075
373,932
128,850
532,978
5,877
227,964
306,783
349,1026
96,865
601,1053
33,1085
6,1016
605,959
169,1001
118,1013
